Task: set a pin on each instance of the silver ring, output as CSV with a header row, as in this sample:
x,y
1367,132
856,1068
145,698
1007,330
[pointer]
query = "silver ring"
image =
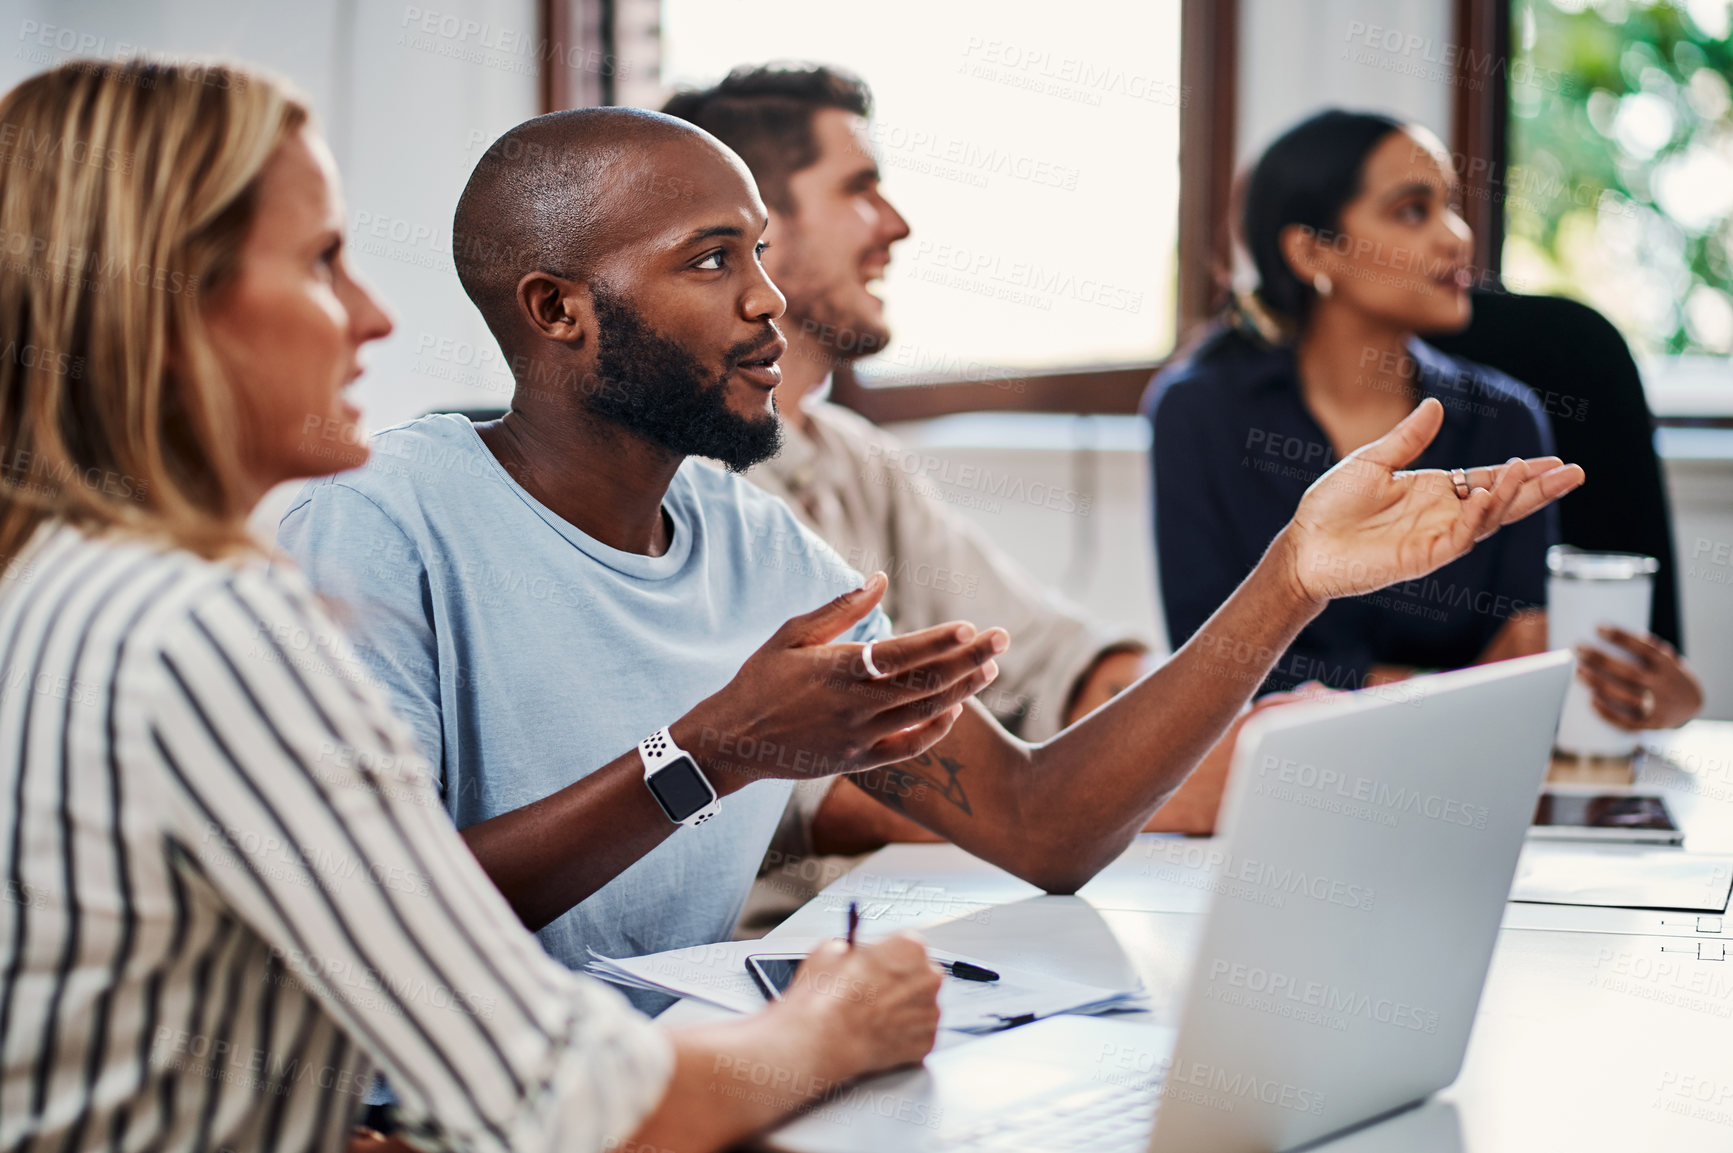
x,y
1648,704
1459,478
866,658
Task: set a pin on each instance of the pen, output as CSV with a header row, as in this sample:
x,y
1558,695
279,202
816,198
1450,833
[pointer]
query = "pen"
x,y
963,971
853,920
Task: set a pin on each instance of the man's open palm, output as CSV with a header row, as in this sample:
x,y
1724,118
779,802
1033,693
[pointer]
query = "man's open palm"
x,y
1369,522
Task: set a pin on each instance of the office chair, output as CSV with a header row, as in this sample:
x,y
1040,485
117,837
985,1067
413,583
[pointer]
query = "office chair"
x,y
1577,362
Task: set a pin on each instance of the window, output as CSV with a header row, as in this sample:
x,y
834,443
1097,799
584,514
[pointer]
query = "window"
x,y
1033,148
1620,188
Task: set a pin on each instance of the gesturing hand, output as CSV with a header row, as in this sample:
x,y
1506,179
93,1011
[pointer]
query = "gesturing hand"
x,y
802,706
1367,523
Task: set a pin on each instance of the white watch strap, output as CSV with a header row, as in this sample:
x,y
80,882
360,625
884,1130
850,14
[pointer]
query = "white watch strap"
x,y
658,749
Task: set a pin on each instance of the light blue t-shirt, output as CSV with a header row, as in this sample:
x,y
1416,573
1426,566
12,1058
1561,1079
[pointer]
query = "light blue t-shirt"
x,y
525,654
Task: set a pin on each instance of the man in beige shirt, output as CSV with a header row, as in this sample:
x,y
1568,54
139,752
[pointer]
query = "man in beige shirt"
x,y
840,475
802,131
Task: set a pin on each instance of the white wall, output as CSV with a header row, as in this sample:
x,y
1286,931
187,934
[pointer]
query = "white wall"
x,y
1700,486
1299,56
1094,542
408,102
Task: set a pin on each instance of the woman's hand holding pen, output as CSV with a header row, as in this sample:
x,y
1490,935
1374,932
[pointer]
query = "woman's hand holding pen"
x,y
851,1010
877,1005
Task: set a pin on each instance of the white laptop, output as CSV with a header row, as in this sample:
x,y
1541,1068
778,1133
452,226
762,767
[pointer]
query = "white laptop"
x,y
1390,821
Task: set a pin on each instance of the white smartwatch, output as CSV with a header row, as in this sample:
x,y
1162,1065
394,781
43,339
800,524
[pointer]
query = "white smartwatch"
x,y
676,781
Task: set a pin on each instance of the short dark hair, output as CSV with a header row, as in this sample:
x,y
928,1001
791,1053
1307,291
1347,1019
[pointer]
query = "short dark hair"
x,y
764,113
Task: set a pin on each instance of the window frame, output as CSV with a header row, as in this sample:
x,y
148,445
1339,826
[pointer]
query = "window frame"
x,y
1480,122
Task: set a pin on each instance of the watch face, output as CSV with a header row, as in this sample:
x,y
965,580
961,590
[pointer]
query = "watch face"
x,y
680,788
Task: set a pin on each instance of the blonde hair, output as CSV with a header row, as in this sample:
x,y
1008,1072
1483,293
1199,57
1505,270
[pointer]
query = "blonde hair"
x,y
126,192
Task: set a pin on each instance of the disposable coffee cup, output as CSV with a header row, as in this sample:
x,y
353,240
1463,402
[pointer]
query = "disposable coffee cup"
x,y
1586,590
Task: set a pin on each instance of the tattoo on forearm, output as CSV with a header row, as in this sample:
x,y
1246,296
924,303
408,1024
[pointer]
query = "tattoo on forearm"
x,y
901,783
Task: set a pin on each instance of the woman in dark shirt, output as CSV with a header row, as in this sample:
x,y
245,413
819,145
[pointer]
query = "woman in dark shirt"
x,y
1349,221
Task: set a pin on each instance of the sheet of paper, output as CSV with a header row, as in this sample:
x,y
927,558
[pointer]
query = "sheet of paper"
x,y
975,1005
1622,876
717,974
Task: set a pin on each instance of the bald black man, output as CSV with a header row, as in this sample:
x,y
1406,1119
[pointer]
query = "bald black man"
x,y
542,593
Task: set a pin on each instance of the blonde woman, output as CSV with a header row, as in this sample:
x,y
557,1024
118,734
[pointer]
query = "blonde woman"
x,y
230,891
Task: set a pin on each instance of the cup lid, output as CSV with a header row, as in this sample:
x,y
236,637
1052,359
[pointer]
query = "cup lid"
x,y
1570,563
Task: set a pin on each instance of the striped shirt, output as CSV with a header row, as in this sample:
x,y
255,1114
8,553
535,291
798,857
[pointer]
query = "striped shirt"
x,y
230,890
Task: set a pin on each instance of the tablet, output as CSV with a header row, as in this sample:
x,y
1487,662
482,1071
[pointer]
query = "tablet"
x,y
773,973
1604,817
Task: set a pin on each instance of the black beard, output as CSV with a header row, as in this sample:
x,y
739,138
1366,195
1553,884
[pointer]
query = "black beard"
x,y
652,385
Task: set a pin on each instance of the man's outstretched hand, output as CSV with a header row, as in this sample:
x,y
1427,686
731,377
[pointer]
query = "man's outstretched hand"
x,y
1369,522
804,705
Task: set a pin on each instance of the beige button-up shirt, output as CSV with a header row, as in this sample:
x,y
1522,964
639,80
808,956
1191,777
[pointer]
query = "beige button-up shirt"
x,y
839,477
838,474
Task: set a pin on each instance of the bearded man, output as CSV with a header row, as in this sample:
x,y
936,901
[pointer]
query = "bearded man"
x,y
589,632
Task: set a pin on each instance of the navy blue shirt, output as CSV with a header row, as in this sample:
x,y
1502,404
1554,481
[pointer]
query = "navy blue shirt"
x,y
1235,448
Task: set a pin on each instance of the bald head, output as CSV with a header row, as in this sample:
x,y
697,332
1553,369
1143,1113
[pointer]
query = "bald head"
x,y
561,192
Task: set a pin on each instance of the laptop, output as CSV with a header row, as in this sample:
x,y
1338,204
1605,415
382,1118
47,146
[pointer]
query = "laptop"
x,y
1370,841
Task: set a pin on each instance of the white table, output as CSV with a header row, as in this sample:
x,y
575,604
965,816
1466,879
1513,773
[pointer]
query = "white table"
x,y
1599,1029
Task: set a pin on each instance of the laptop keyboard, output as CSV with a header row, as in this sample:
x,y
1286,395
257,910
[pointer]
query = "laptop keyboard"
x,y
1099,1119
